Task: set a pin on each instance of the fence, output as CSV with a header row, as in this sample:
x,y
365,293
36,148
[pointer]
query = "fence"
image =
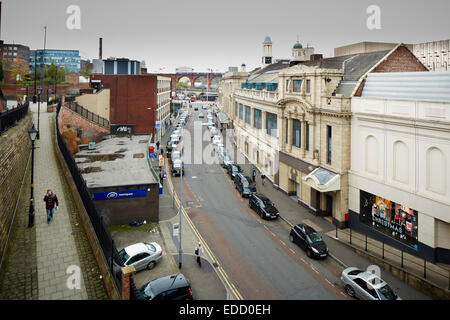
x,y
72,105
105,239
418,266
9,117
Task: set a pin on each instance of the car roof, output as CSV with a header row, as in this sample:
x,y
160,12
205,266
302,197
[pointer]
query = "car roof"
x,y
307,228
136,248
169,282
261,196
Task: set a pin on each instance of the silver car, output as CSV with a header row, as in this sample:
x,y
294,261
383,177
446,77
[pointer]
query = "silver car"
x,y
366,286
143,255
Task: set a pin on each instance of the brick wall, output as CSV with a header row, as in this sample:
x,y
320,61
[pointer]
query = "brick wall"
x,y
132,100
401,60
89,130
13,91
15,148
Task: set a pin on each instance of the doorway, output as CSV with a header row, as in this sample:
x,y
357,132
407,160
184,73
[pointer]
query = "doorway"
x,y
329,203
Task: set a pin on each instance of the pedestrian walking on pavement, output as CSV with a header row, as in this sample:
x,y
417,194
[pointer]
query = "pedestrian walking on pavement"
x,y
254,174
157,145
161,178
263,178
198,252
51,204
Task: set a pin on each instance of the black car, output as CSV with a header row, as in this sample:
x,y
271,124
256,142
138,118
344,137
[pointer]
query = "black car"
x,y
174,287
263,206
244,185
232,169
309,240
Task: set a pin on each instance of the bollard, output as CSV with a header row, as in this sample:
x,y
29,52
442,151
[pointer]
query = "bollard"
x,y
366,242
336,232
424,268
383,250
402,258
350,236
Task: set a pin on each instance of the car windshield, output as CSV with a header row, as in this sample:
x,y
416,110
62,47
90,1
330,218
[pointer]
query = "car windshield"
x,y
314,237
267,202
386,293
123,255
150,247
226,158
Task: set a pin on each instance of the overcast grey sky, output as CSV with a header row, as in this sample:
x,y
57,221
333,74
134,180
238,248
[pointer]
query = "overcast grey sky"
x,y
217,33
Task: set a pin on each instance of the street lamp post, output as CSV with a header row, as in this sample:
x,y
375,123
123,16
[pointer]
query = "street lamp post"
x,y
181,203
32,133
39,107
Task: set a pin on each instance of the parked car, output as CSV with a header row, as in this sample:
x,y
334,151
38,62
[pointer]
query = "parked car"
x,y
177,167
196,109
173,287
225,161
217,139
366,285
200,115
232,169
244,185
214,131
309,240
263,206
143,255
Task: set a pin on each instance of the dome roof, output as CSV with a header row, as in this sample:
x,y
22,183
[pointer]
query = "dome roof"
x,y
298,45
267,40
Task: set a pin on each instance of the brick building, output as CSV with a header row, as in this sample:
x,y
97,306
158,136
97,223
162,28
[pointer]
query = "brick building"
x,y
133,100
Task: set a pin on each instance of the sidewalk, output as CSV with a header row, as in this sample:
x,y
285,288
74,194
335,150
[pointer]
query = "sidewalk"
x,y
62,243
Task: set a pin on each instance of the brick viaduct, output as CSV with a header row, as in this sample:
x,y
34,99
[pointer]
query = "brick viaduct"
x,y
192,76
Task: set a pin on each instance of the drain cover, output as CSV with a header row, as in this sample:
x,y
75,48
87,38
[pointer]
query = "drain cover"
x,y
190,203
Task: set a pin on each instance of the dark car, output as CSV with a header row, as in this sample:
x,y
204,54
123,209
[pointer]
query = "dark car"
x,y
232,169
174,287
309,240
263,206
244,185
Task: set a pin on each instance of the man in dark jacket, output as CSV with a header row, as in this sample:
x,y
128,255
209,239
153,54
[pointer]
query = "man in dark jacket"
x,y
51,202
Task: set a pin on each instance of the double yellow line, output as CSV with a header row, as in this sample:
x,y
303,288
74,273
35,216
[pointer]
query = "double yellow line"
x,y
223,275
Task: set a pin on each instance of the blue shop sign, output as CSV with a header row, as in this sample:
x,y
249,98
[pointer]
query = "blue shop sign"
x,y
120,194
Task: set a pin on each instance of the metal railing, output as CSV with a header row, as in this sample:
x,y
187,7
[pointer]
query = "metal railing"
x,y
72,105
415,265
106,241
9,117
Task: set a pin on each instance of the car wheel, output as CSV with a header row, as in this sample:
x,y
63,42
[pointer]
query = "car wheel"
x,y
349,290
151,265
291,237
309,253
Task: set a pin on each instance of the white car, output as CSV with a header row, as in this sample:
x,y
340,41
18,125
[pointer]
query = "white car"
x,y
143,255
217,139
225,161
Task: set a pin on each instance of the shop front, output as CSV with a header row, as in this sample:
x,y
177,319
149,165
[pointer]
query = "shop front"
x,y
392,219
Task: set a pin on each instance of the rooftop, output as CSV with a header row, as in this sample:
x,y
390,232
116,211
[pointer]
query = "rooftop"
x,y
116,162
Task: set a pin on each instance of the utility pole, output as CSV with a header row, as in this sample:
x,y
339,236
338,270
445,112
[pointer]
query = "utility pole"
x,y
181,200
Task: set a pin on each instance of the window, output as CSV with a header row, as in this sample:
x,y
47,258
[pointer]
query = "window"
x,y
308,86
271,124
307,136
296,133
248,115
329,144
236,109
296,85
257,118
241,111
287,131
287,85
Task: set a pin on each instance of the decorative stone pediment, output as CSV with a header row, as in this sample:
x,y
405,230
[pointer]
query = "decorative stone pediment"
x,y
295,105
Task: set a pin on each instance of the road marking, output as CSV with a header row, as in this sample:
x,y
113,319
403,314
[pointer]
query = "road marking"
x,y
224,276
283,242
265,227
303,260
292,250
329,282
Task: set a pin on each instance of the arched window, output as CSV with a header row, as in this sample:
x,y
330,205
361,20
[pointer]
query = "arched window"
x,y
436,171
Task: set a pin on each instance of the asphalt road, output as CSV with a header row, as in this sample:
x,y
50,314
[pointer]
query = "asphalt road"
x,y
255,253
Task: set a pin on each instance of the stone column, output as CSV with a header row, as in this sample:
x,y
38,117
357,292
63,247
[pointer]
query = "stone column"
x,y
289,144
127,272
303,142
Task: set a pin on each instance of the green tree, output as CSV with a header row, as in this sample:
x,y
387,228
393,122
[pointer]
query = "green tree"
x,y
51,71
182,85
62,72
87,71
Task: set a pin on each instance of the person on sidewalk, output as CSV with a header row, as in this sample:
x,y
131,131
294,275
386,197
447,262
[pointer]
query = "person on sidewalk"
x,y
198,252
157,146
263,178
254,174
51,203
161,178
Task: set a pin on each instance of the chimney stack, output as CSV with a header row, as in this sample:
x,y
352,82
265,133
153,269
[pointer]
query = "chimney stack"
x,y
100,49
243,68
